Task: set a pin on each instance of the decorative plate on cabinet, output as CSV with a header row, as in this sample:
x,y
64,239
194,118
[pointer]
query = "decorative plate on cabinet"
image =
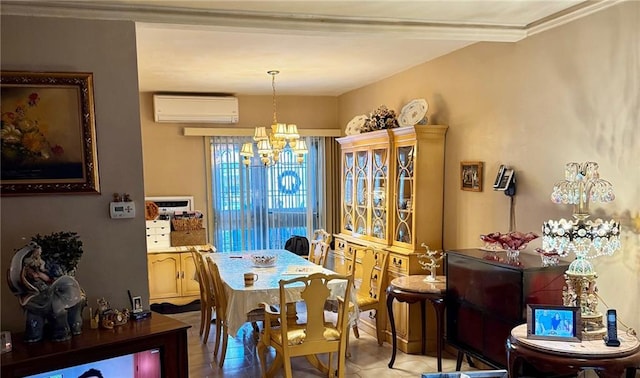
x,y
151,210
354,126
413,112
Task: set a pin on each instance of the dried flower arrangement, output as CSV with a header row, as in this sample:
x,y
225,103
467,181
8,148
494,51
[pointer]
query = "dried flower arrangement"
x,y
380,119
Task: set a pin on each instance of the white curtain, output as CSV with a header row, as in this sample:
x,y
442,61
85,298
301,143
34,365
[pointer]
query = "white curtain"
x,y
259,207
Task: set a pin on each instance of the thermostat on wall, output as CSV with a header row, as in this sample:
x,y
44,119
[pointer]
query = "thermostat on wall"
x,y
122,209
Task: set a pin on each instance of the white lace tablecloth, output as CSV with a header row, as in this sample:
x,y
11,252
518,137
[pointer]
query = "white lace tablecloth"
x,y
242,299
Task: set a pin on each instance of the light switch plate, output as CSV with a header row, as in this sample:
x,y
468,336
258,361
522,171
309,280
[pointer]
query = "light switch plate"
x,y
120,210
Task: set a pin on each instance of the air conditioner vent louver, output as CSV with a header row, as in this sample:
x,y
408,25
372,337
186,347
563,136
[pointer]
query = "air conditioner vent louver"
x,y
195,109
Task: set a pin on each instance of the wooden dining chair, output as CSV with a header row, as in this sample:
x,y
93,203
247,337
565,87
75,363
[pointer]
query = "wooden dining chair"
x,y
370,278
222,333
319,247
315,336
207,295
321,235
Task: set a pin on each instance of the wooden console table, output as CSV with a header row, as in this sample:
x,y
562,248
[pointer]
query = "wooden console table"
x,y
159,331
563,357
412,289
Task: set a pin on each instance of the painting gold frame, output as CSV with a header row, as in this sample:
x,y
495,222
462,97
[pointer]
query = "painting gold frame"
x,y
48,134
471,175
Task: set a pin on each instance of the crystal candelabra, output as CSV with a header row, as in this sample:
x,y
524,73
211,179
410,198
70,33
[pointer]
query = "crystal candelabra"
x,y
433,257
586,238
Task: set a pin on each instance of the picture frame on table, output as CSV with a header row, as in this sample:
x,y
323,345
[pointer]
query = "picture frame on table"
x,y
136,304
471,175
48,134
553,322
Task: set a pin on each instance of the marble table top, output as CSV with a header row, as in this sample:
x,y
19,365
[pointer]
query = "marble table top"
x,y
419,284
586,348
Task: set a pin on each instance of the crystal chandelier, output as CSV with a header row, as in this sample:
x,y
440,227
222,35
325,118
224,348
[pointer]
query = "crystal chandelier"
x,y
586,238
271,145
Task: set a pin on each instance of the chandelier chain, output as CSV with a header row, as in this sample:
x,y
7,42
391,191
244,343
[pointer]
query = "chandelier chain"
x,y
273,87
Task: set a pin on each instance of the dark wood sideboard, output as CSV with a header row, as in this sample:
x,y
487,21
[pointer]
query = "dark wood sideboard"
x,y
487,296
159,331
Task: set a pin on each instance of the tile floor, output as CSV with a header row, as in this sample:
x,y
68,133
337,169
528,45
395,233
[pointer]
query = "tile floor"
x,y
367,358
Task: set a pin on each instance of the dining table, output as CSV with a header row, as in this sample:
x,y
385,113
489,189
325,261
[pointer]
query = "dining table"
x,y
242,299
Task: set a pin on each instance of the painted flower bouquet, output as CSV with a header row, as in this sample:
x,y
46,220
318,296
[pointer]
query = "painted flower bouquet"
x,y
23,135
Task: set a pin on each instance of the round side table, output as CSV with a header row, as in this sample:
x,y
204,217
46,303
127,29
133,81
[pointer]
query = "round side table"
x,y
564,357
412,289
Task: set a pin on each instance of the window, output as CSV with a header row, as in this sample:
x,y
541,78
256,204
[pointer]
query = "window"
x,y
259,207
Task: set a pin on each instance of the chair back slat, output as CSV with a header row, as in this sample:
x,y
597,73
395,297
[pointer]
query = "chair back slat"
x,y
218,287
321,235
195,255
203,275
373,266
318,252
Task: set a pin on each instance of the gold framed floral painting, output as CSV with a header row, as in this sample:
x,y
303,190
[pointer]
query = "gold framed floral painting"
x,y
48,133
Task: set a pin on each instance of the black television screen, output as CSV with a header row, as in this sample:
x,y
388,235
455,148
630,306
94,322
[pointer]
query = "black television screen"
x,y
145,364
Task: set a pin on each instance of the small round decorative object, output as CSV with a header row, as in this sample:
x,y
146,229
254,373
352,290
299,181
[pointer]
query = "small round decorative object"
x,y
413,112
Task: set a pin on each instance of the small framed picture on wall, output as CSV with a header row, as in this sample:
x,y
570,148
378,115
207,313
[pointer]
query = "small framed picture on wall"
x,y
471,175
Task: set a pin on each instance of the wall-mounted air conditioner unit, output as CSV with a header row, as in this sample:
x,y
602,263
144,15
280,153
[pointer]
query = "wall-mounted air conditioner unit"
x,y
195,109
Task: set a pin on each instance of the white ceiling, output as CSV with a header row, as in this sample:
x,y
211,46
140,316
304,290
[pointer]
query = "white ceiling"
x,y
320,47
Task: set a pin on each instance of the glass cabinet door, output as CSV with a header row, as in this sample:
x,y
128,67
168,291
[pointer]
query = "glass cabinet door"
x,y
347,202
403,217
361,193
378,204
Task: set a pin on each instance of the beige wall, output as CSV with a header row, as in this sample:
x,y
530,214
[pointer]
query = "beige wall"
x,y
114,259
175,164
568,94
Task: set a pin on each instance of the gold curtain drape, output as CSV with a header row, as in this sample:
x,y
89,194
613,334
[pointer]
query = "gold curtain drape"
x,y
332,185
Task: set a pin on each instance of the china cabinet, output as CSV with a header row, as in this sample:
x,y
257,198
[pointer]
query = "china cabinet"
x,y
392,198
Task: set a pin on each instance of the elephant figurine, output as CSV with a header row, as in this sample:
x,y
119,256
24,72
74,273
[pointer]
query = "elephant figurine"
x,y
56,302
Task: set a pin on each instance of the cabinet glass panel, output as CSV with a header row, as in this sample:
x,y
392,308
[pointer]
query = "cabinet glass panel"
x,y
378,191
404,195
361,168
347,203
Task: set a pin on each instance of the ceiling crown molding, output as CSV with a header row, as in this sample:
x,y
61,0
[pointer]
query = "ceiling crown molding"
x,y
569,14
251,21
261,22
